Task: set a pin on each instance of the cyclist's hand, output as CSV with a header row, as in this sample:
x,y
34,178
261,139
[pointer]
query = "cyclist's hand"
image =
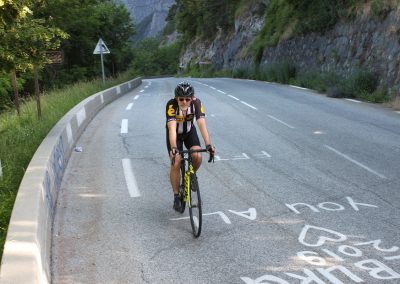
x,y
174,151
211,149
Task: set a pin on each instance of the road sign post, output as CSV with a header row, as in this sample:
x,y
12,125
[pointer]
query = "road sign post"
x,y
101,49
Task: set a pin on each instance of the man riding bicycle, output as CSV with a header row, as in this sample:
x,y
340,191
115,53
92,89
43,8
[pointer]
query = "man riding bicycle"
x,y
182,112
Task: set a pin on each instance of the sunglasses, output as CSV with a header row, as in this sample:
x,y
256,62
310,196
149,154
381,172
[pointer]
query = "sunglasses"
x,y
185,99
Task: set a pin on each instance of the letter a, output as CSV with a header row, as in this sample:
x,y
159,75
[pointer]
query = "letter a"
x,y
251,214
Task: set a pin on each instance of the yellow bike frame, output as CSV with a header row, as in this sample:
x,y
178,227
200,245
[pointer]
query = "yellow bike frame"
x,y
188,173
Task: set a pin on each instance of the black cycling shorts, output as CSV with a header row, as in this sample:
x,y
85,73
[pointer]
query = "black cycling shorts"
x,y
190,139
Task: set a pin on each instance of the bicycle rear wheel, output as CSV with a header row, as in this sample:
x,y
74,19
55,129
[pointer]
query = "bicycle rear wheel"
x,y
195,211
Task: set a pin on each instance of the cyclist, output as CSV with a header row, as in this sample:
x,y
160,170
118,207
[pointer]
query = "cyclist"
x,y
182,111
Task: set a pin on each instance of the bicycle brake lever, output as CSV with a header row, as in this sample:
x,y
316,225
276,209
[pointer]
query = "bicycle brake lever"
x,y
211,158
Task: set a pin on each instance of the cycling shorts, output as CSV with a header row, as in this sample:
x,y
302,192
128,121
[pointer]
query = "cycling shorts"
x,y
190,139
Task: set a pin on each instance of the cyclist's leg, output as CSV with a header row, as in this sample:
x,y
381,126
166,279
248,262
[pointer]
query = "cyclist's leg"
x,y
192,142
175,173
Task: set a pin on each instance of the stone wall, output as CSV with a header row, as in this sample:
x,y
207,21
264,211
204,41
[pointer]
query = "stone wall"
x,y
364,42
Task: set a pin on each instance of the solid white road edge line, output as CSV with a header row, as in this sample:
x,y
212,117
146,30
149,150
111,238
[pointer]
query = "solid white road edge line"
x,y
355,162
354,101
130,178
124,126
249,105
280,121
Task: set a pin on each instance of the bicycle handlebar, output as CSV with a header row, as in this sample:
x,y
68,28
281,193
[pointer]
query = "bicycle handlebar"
x,y
211,159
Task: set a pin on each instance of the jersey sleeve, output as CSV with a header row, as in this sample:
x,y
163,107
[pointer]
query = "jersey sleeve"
x,y
199,109
171,110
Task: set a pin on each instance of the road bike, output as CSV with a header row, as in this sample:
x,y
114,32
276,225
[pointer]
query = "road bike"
x,y
189,190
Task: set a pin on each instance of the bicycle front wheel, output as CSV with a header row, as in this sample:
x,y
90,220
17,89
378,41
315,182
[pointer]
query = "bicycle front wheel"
x,y
195,211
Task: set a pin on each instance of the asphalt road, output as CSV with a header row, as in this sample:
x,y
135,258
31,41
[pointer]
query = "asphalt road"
x,y
305,189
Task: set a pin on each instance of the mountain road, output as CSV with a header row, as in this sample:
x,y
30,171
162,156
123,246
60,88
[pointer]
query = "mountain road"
x,y
304,189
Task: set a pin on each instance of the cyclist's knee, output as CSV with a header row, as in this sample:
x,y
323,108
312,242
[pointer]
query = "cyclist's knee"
x,y
177,163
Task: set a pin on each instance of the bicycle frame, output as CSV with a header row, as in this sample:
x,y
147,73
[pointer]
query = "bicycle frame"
x,y
186,157
187,173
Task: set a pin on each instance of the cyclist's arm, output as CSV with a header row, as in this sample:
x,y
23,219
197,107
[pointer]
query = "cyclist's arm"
x,y
201,123
172,133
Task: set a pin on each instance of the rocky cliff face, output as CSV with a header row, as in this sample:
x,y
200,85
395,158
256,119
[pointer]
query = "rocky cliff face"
x,y
363,42
148,16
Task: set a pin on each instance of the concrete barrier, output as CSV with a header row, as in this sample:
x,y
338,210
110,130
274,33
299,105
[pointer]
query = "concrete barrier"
x,y
27,251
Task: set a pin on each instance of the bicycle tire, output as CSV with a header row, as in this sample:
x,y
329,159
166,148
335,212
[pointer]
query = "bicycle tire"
x,y
195,210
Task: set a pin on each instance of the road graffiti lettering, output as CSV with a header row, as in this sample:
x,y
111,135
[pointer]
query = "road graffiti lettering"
x,y
317,237
328,206
244,156
250,214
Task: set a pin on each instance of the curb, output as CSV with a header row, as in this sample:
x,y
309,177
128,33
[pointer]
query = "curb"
x,y
27,250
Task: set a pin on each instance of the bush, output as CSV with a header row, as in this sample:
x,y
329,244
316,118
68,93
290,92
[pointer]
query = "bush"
x,y
380,8
5,92
280,72
363,82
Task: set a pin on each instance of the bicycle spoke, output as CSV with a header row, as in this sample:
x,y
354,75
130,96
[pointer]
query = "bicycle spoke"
x,y
196,221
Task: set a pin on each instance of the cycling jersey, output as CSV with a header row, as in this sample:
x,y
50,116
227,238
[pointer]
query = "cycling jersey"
x,y
184,123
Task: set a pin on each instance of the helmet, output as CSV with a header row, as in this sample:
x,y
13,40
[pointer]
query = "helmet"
x,y
184,89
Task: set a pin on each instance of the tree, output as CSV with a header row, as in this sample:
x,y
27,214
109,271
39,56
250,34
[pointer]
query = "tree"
x,y
86,22
25,41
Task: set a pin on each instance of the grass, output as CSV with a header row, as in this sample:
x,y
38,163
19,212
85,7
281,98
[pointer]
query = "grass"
x,y
21,136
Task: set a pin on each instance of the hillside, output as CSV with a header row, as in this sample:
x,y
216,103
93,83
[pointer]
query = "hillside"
x,y
349,37
148,16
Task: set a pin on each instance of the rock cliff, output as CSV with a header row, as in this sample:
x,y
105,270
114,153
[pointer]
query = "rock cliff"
x,y
148,16
362,42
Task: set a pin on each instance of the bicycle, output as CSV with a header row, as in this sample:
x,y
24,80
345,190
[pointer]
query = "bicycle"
x,y
189,190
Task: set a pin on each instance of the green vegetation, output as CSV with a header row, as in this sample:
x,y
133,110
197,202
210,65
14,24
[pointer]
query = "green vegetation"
x,y
380,8
150,58
29,29
21,136
288,18
203,18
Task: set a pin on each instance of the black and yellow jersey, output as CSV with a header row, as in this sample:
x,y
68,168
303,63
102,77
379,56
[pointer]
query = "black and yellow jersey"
x,y
184,123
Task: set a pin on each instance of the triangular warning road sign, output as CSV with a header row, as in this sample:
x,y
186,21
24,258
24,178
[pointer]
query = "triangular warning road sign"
x,y
101,48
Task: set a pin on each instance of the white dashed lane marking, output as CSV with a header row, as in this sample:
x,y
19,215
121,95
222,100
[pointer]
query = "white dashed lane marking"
x,y
355,162
235,98
130,178
249,105
124,126
280,121
129,107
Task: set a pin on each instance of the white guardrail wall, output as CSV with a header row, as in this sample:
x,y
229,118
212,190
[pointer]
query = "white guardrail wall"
x,y
27,250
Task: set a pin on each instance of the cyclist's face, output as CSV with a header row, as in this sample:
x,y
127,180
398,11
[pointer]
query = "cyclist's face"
x,y
184,102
